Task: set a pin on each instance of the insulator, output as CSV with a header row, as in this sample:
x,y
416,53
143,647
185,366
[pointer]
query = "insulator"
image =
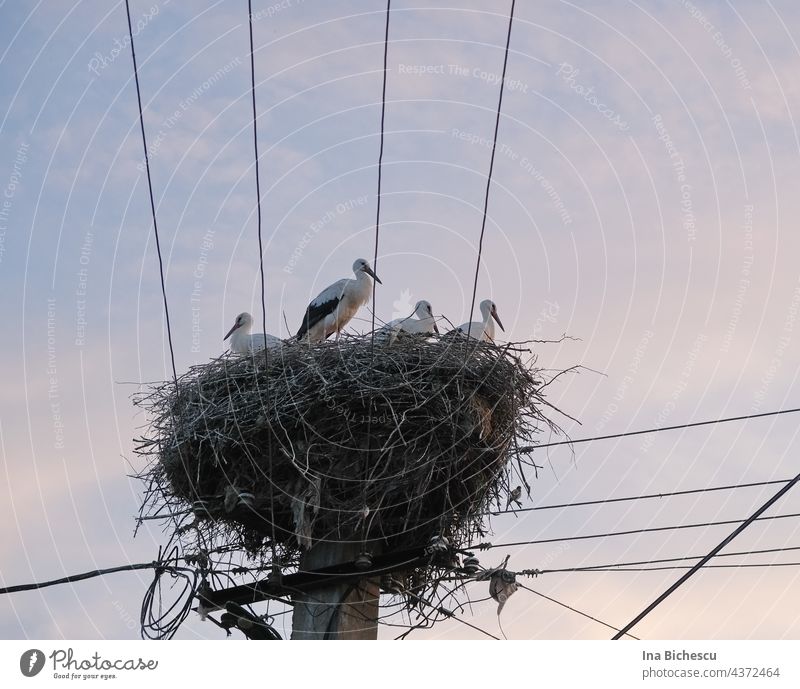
x,y
392,585
201,509
438,544
471,565
363,561
247,500
275,577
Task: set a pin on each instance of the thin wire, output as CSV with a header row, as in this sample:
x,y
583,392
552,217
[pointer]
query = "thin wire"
x,y
487,546
449,614
609,567
568,607
491,159
640,497
365,479
739,565
474,626
85,575
380,164
485,209
258,180
261,256
164,624
683,558
753,517
152,199
694,424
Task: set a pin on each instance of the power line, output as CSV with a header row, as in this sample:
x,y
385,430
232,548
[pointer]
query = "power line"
x,y
611,566
491,159
488,187
375,256
380,162
156,622
87,575
455,617
18,588
654,529
260,249
152,200
451,615
691,491
740,565
753,517
569,607
258,180
695,424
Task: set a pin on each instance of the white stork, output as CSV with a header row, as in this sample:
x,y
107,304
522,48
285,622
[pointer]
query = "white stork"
x,y
333,308
423,324
242,342
481,330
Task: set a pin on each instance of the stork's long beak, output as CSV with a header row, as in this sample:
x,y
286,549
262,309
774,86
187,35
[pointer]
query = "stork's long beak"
x,y
235,325
371,273
497,318
435,327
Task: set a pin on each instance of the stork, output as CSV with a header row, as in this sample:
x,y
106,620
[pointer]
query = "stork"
x,y
242,342
333,308
481,330
423,324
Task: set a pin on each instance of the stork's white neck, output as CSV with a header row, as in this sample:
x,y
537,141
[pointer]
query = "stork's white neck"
x,y
360,292
242,333
363,282
488,323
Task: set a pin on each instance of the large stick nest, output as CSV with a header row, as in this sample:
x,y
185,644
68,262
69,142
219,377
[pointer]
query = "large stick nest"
x,y
346,441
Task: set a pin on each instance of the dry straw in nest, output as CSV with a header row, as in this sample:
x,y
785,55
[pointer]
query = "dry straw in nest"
x,y
345,441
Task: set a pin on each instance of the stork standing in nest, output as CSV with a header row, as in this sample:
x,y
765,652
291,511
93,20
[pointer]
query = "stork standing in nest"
x,y
333,308
481,330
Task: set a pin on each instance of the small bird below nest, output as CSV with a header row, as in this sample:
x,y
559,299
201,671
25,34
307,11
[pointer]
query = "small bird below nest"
x,y
347,440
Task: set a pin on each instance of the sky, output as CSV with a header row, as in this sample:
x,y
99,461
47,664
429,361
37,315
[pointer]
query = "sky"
x,y
643,202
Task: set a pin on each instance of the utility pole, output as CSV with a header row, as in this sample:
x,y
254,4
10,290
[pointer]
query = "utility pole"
x,y
338,609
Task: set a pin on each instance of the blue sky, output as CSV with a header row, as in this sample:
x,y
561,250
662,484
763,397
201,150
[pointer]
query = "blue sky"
x,y
643,202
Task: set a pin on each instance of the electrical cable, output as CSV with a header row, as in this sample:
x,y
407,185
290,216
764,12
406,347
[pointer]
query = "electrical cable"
x,y
649,496
152,199
753,517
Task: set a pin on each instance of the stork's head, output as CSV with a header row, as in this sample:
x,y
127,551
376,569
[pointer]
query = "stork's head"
x,y
362,266
424,310
243,320
489,308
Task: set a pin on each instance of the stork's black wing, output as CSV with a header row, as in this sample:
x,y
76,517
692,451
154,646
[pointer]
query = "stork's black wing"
x,y
314,314
324,304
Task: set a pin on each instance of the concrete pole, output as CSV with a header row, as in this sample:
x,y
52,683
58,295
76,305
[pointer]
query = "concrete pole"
x,y
340,610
